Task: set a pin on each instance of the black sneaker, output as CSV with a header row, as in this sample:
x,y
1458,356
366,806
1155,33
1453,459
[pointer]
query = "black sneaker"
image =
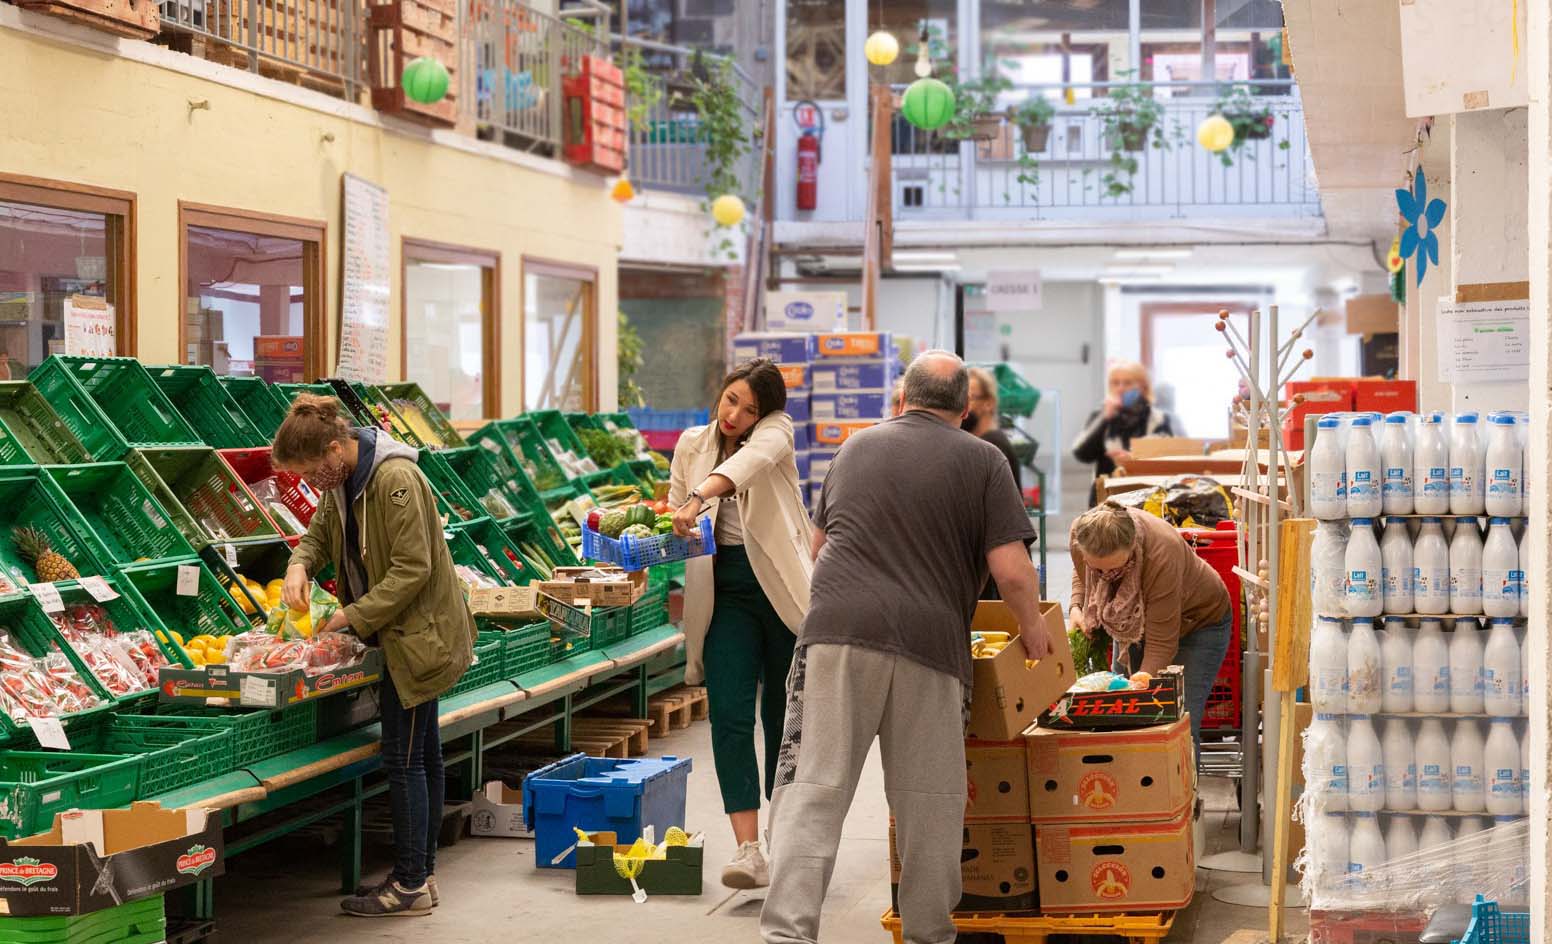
x,y
363,891
394,900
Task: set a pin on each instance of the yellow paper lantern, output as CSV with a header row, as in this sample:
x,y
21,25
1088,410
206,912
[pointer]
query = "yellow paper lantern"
x,y
622,191
881,48
727,210
1215,133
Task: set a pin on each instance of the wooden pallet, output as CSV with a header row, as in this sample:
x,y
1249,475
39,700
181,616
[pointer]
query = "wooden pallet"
x,y
673,710
1364,927
135,19
597,737
214,50
1149,928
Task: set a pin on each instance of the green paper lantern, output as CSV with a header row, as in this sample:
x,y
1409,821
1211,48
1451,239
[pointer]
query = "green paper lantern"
x,y
425,80
928,104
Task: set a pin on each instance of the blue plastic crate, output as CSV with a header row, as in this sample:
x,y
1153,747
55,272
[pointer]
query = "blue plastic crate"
x,y
595,794
640,553
852,405
1491,926
675,420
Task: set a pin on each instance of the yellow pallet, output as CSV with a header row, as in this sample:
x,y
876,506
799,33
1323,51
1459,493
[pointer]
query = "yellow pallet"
x,y
1034,929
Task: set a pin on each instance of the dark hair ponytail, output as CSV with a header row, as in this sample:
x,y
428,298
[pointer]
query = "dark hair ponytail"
x,y
765,382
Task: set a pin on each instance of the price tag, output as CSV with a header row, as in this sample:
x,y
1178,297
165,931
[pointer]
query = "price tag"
x,y
230,553
256,692
99,589
48,595
50,734
188,580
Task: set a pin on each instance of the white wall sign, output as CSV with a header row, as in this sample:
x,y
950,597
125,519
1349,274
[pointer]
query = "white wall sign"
x,y
89,327
364,276
1013,290
1484,342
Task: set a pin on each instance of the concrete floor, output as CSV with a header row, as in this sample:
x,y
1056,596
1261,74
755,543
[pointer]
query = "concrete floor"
x,y
491,890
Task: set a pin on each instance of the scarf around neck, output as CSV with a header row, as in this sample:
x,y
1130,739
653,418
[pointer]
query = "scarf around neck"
x,y
1112,600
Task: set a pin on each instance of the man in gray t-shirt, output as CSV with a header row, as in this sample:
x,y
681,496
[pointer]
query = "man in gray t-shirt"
x,y
913,515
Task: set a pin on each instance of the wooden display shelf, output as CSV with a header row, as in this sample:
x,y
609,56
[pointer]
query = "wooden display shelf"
x,y
135,19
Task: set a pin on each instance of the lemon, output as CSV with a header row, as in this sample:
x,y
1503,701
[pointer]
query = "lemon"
x,y
177,637
215,657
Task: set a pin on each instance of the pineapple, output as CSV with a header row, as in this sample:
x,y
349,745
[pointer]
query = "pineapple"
x,y
49,564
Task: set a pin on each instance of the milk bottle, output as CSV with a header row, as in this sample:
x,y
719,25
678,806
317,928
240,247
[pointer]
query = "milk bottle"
x,y
1396,667
1430,668
1466,568
1436,833
1430,467
1431,569
1325,750
1365,668
1328,471
1365,766
1502,672
1525,768
1364,564
1527,474
1500,570
1400,758
1328,568
1433,766
1400,838
1466,778
1363,470
1521,635
1501,769
1466,668
1396,567
1466,464
1504,466
1329,848
1366,851
1524,582
1396,465
1328,666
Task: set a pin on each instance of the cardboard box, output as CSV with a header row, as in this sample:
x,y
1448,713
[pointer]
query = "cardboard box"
x,y
805,311
997,867
795,376
280,371
278,348
1156,447
96,859
1372,314
1126,709
1099,868
997,778
217,354
779,346
677,874
1378,395
266,689
518,602
832,434
1148,775
854,344
861,374
852,405
798,408
498,811
570,587
1007,695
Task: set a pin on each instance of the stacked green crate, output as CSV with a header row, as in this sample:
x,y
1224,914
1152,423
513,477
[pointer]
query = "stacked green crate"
x,y
198,395
261,403
125,612
500,489
483,545
209,611
35,785
520,443
488,665
563,443
256,733
455,502
28,499
423,417
143,921
126,400
33,433
217,506
124,522
542,543
353,409
171,758
28,630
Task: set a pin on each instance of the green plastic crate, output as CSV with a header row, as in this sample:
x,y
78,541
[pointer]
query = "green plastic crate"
x,y
36,785
519,442
455,502
124,522
488,665
143,921
32,432
33,631
651,611
557,507
528,647
261,404
482,544
560,439
353,395
1015,395
541,543
260,561
29,498
256,734
424,418
173,758
210,611
197,393
217,507
491,473
124,392
128,612
603,626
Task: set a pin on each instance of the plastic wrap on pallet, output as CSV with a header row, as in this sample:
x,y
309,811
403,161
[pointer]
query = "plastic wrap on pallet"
x,y
1472,859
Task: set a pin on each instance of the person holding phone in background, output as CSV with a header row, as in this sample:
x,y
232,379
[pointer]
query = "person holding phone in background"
x,y
1128,413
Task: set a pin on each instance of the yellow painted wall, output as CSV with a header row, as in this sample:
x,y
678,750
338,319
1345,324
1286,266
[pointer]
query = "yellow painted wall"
x,y
86,115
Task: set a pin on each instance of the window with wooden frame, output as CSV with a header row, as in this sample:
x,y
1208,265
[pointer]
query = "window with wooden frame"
x,y
560,336
61,244
450,332
253,293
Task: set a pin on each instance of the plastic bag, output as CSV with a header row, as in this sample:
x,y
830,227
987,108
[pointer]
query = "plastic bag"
x,y
328,652
1328,569
1185,501
286,623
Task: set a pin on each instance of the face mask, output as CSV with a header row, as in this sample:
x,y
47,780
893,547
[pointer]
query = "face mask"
x,y
330,476
1131,397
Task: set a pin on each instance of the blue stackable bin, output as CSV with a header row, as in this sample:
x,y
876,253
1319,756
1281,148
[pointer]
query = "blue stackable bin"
x,y
597,794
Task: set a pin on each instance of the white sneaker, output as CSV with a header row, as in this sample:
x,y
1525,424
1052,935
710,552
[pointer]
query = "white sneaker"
x,y
748,869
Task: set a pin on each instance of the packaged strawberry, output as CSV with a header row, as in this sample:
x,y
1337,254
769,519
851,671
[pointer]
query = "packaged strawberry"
x,y
330,651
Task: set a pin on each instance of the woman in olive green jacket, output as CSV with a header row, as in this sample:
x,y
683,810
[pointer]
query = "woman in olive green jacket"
x,y
378,525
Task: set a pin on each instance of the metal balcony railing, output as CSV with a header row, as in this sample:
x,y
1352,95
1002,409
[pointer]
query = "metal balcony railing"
x,y
1082,167
317,43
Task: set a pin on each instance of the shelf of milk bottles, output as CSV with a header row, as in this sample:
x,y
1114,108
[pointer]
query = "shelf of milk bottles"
x,y
1479,617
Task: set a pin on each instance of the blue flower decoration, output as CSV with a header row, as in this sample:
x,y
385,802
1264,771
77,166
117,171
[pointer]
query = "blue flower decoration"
x,y
1423,217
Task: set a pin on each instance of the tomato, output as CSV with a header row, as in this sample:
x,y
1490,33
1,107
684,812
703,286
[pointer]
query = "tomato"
x,y
660,507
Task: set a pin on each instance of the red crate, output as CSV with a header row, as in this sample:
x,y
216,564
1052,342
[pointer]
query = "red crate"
x,y
595,116
253,465
1220,550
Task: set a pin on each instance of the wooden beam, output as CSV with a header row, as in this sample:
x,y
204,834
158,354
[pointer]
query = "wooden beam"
x,y
1290,671
878,237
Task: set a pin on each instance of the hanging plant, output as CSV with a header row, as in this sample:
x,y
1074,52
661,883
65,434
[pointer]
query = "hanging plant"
x,y
1033,119
974,100
642,91
725,136
1131,120
1251,119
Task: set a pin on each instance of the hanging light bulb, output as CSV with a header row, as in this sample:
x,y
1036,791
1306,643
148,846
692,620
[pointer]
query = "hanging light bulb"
x,y
923,60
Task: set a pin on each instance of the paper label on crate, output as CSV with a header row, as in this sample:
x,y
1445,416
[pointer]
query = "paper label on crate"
x,y
99,589
230,553
188,580
48,596
50,734
256,692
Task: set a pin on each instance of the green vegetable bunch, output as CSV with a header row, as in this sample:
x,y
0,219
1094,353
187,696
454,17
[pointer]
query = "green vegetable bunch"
x,y
1089,655
604,448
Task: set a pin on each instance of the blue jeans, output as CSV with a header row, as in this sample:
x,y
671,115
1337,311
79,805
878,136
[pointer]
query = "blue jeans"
x,y
417,784
1201,654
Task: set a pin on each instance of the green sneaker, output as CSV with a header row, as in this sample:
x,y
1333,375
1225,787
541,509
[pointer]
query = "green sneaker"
x,y
394,900
363,891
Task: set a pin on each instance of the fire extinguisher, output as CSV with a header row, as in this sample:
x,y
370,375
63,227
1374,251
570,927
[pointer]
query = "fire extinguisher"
x,y
808,171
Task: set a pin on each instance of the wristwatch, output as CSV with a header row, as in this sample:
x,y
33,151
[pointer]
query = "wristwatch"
x,y
696,494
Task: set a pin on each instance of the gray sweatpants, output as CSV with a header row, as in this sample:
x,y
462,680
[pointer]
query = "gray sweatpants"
x,y
849,695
